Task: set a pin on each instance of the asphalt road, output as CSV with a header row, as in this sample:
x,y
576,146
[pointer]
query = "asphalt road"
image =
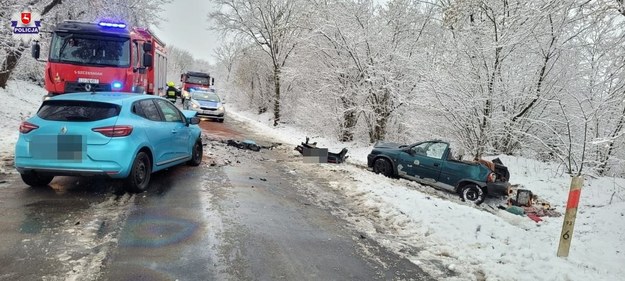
x,y
240,216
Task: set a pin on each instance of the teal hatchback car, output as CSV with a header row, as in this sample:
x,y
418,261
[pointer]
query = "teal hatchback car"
x,y
118,135
432,163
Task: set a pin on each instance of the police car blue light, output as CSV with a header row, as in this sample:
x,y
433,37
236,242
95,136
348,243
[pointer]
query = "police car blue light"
x,y
112,24
117,85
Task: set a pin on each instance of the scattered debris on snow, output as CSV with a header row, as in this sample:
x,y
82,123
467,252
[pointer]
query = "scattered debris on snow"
x,y
437,231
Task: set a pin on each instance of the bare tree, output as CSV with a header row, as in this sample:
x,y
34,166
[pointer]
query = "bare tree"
x,y
178,61
227,55
362,58
253,78
273,25
13,49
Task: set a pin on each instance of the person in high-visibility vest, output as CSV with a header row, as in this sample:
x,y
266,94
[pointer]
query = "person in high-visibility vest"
x,y
172,93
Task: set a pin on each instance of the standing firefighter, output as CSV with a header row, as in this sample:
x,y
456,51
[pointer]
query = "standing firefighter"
x,y
171,93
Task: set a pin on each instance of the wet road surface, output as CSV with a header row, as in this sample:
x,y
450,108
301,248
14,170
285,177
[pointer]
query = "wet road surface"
x,y
241,215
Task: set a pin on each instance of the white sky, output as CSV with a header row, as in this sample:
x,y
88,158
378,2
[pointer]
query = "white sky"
x,y
186,27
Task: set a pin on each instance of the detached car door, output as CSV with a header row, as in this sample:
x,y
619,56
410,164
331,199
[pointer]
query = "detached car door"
x,y
177,126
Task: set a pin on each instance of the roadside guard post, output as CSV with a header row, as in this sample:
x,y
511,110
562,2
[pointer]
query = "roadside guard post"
x,y
569,217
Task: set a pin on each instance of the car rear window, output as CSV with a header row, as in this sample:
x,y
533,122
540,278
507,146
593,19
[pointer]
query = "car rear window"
x,y
77,111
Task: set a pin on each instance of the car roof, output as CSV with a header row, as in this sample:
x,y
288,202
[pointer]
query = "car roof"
x,y
433,140
198,74
108,97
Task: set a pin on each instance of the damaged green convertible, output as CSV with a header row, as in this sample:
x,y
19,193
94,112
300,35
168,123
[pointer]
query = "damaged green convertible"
x,y
432,163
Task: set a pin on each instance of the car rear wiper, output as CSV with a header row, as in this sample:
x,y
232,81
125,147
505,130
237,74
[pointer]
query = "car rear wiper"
x,y
77,118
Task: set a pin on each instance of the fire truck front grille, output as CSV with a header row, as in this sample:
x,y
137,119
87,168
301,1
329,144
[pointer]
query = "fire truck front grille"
x,y
71,87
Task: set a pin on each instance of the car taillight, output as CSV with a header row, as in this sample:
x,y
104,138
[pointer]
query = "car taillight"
x,y
491,177
26,127
114,131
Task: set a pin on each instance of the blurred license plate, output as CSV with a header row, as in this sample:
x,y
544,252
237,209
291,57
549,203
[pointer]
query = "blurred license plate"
x,y
59,147
88,80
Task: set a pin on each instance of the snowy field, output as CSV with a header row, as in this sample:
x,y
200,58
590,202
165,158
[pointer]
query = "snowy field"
x,y
474,243
450,239
19,101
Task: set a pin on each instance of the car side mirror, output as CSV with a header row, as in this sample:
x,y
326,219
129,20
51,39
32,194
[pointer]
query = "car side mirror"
x,y
147,47
408,150
194,120
147,60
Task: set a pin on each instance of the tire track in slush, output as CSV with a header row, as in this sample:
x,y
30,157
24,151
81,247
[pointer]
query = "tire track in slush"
x,y
88,242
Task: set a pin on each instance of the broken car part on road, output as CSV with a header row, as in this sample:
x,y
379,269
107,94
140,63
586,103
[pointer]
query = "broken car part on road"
x,y
250,145
313,154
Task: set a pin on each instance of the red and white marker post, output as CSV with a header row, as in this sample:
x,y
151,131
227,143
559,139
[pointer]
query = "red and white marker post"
x,y
569,217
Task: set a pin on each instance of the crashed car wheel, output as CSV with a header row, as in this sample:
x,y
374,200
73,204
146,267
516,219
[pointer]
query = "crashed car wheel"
x,y
196,154
473,193
383,166
140,173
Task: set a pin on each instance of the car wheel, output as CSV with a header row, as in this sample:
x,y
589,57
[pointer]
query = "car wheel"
x,y
196,154
383,166
473,193
140,173
35,180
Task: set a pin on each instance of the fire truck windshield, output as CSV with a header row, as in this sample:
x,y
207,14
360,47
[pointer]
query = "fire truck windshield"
x,y
197,80
90,50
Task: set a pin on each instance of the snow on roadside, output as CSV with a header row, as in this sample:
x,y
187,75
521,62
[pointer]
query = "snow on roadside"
x,y
20,101
502,246
475,244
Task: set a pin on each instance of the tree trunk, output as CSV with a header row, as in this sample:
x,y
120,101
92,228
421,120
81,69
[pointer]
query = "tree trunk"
x,y
13,56
379,130
604,163
382,114
276,104
349,121
347,128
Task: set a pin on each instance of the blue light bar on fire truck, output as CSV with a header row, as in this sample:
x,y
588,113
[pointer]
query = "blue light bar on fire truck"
x,y
112,24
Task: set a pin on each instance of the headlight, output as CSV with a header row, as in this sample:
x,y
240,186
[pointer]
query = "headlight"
x,y
195,105
221,108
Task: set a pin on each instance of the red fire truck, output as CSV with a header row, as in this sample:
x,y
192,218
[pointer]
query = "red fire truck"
x,y
196,81
104,57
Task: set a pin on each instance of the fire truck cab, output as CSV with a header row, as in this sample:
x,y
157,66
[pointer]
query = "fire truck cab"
x,y
196,81
93,57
